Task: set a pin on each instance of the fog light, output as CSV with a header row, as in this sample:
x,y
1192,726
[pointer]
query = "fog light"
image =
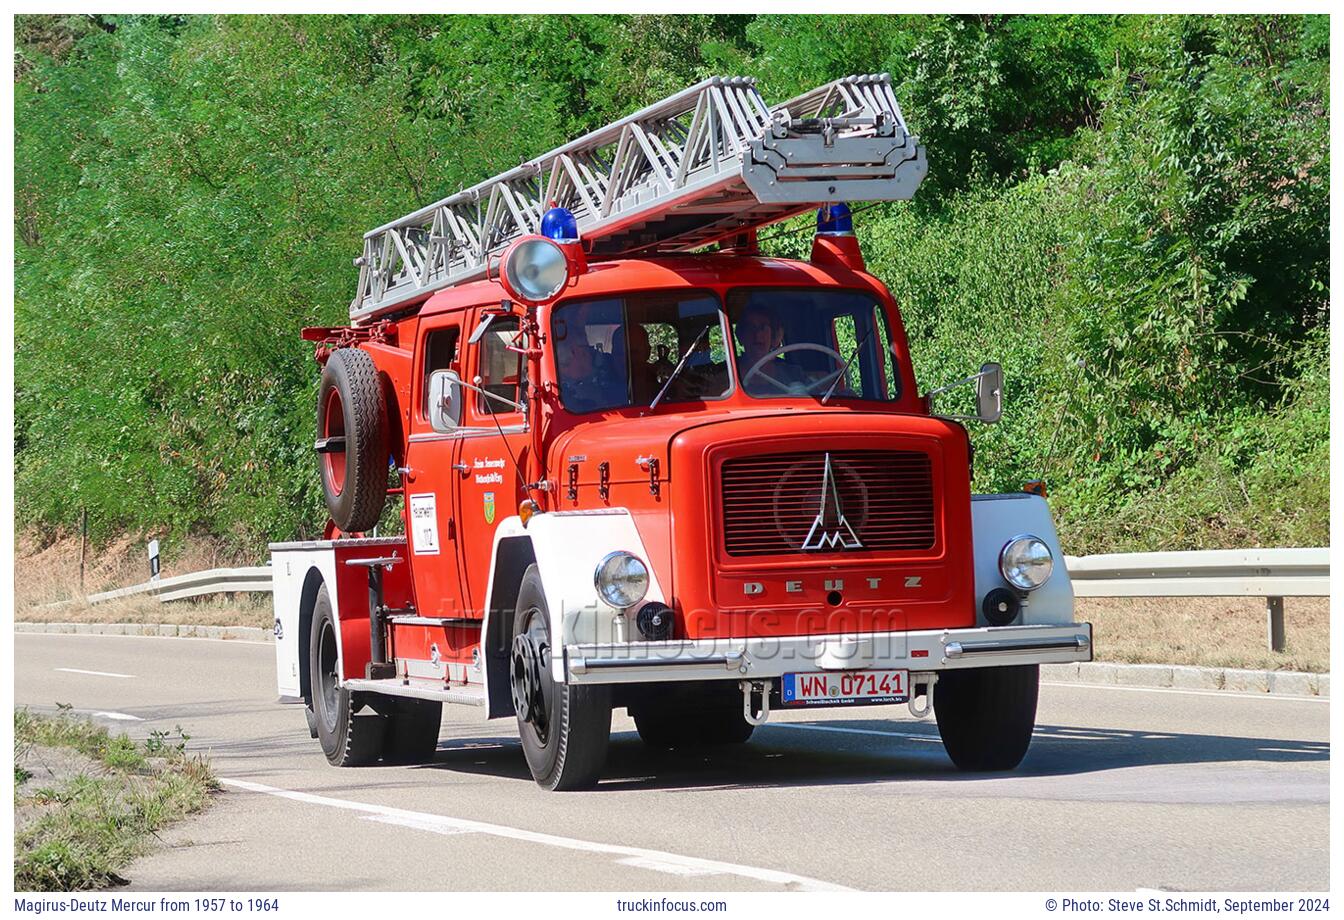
x,y
1026,562
1000,607
622,579
655,622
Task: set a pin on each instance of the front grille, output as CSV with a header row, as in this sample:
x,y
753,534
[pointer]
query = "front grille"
x,y
773,504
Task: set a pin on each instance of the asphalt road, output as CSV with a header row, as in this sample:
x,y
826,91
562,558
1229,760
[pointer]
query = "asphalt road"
x,y
1122,790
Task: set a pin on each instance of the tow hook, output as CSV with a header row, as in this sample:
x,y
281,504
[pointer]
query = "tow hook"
x,y
749,689
926,681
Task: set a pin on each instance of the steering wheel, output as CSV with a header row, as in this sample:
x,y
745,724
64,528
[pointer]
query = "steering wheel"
x,y
756,369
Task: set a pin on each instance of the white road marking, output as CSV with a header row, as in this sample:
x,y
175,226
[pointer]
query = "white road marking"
x,y
94,673
648,858
1224,694
434,827
119,716
71,635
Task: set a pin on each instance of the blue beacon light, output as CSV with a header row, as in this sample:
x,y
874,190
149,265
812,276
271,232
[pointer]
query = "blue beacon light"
x,y
835,220
559,224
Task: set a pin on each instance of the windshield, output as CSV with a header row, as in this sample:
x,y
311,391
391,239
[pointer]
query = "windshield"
x,y
810,342
622,351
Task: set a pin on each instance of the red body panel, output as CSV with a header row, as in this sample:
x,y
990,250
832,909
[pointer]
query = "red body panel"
x,y
475,474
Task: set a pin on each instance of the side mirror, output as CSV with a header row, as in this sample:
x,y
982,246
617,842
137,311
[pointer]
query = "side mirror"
x,y
989,393
445,401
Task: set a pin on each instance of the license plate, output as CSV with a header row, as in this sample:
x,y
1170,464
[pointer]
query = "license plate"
x,y
831,687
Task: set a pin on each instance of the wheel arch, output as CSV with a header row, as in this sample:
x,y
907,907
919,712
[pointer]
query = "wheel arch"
x,y
312,584
512,556
566,548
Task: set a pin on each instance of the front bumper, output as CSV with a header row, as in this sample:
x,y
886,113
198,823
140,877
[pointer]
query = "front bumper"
x,y
746,658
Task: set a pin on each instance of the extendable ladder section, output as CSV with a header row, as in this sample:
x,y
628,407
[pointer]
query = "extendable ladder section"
x,y
706,163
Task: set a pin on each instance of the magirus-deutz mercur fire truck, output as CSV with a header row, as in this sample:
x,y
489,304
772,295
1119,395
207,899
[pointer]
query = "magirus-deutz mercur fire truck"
x,y
642,466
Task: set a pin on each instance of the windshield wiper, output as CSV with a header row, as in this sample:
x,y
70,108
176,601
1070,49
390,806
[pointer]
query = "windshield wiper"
x,y
845,370
677,370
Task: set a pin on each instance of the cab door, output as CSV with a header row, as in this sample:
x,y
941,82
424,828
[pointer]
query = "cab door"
x,y
492,444
433,533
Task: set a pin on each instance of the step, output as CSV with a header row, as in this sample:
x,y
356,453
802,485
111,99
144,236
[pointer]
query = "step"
x,y
463,695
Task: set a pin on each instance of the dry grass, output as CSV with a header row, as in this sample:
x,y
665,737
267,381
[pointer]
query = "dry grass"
x,y
49,574
1222,632
1214,632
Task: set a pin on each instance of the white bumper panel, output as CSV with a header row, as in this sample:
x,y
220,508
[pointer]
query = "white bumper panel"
x,y
921,650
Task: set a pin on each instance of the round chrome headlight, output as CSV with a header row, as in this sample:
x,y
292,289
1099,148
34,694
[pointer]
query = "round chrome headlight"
x,y
535,270
1026,562
622,579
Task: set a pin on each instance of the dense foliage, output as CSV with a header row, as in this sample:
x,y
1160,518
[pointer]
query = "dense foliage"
x,y
1131,213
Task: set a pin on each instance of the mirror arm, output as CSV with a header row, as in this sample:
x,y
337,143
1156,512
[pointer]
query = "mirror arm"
x,y
953,386
488,395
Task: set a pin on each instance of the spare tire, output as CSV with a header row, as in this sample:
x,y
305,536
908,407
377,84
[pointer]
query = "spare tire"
x,y
352,440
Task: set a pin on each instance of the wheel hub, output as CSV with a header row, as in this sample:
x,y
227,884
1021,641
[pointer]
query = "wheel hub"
x,y
525,670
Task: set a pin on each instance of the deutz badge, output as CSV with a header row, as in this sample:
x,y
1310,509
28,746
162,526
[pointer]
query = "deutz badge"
x,y
489,507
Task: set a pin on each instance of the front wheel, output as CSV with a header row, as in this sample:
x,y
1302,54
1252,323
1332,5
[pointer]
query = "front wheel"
x,y
692,717
564,728
986,715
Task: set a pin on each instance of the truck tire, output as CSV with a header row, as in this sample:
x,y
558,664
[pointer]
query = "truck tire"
x,y
710,716
352,440
349,737
564,728
412,731
986,715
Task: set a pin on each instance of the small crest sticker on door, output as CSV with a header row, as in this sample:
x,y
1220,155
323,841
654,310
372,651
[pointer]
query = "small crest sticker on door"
x,y
489,507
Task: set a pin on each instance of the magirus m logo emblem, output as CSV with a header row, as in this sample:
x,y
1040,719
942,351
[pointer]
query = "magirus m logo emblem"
x,y
830,530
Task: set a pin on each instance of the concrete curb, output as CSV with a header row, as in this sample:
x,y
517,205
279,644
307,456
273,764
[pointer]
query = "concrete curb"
x,y
1105,673
245,633
1184,677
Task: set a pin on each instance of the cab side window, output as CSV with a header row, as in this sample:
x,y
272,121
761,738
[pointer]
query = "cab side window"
x,y
502,370
440,355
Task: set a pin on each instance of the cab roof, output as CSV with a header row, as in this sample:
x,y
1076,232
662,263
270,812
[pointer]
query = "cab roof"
x,y
669,272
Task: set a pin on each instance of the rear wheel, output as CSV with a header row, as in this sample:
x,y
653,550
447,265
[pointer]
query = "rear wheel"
x,y
986,716
564,728
350,732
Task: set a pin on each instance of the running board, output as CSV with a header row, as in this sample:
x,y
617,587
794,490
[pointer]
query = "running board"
x,y
469,695
435,621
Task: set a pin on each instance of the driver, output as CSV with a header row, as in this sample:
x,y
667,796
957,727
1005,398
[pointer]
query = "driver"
x,y
761,335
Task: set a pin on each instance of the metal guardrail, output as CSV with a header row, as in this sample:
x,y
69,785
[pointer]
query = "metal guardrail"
x,y
196,584
1269,573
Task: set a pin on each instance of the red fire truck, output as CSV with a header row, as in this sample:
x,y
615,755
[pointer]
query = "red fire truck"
x,y
642,466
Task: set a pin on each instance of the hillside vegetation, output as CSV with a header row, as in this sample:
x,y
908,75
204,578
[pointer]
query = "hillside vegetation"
x,y
1130,213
